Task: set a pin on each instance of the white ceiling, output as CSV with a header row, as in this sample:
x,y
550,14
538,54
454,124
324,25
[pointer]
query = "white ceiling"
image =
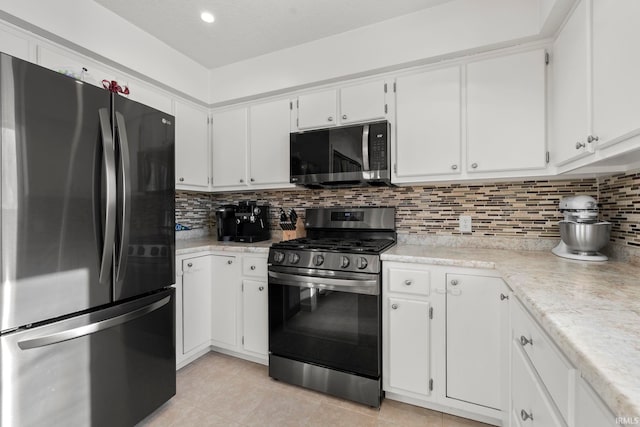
x,y
248,28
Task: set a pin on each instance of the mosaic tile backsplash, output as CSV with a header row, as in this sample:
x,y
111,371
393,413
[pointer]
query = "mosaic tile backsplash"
x,y
619,198
519,209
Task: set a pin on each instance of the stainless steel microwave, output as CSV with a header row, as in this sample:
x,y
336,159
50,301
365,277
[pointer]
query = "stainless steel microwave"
x,y
341,156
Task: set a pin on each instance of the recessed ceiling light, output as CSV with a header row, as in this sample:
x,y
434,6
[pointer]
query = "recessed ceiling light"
x,y
207,17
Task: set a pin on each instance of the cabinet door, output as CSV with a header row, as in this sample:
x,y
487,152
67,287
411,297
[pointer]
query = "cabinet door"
x,y
192,148
224,294
506,113
616,67
473,339
409,345
590,410
569,106
269,142
76,66
230,148
196,309
365,102
255,318
428,123
14,44
317,109
148,95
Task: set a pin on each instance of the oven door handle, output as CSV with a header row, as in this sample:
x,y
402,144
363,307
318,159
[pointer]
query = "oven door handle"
x,y
354,286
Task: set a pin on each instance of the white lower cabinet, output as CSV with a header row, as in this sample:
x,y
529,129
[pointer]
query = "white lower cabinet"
x,y
443,339
196,294
255,332
224,300
590,411
409,346
221,304
474,363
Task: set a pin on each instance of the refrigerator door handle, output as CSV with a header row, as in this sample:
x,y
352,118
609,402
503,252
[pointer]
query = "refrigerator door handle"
x,y
110,211
92,328
126,196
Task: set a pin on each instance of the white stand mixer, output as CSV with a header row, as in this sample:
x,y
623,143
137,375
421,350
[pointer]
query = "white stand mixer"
x,y
580,232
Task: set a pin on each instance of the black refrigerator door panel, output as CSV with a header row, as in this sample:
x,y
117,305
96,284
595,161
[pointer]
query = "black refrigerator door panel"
x,y
112,367
145,234
53,194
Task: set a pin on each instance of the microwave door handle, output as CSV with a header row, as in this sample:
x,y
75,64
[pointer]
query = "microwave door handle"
x,y
365,148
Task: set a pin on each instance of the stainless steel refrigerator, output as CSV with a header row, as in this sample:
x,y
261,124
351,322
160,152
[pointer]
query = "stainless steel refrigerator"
x,y
87,323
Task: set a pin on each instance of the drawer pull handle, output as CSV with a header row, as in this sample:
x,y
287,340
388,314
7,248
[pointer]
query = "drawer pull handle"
x,y
526,416
394,306
454,282
190,265
229,262
253,267
408,282
261,288
524,340
503,297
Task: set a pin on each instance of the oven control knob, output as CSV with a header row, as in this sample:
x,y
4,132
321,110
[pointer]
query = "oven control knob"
x,y
344,262
362,263
278,257
294,258
318,260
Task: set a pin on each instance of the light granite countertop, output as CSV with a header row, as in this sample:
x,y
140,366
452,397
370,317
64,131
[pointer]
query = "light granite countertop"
x,y
202,244
590,309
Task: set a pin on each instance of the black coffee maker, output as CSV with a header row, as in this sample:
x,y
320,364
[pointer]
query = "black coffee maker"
x,y
226,223
252,222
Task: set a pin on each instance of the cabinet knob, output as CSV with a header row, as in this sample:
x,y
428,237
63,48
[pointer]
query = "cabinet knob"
x,y
592,138
330,119
190,265
230,262
344,117
261,288
474,165
526,415
579,145
503,297
454,167
408,282
252,180
524,340
253,267
454,282
181,179
394,306
241,180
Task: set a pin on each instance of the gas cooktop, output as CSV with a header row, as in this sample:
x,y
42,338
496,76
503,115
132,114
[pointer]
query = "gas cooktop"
x,y
369,246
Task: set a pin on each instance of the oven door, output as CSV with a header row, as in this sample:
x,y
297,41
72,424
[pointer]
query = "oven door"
x,y
326,319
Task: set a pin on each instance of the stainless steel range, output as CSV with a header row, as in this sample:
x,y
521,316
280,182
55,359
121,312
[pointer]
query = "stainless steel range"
x,y
325,303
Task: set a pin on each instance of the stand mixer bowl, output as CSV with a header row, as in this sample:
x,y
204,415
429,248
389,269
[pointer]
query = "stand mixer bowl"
x,y
585,238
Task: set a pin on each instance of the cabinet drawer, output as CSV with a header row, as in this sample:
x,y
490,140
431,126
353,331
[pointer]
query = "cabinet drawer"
x,y
531,406
410,281
254,266
554,369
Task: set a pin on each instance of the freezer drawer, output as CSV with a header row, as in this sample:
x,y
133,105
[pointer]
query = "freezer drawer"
x,y
112,367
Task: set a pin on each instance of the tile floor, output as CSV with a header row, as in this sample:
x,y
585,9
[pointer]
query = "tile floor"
x,y
219,390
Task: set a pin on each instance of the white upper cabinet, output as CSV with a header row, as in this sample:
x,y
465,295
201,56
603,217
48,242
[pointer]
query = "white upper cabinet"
x,y
192,147
363,102
616,70
148,95
351,104
269,143
76,66
14,44
569,99
427,125
506,113
317,109
229,148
